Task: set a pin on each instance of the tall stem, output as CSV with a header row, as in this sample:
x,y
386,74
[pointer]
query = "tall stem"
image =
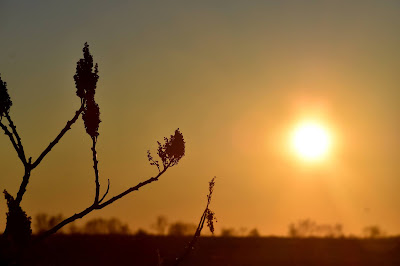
x,y
96,172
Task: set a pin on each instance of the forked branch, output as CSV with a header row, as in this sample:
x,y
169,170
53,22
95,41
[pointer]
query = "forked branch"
x,y
14,130
96,207
105,194
11,137
29,166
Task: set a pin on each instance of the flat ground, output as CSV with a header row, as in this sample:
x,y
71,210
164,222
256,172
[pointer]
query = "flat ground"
x,y
134,250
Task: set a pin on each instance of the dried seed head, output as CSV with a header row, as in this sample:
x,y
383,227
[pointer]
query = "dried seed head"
x,y
86,78
91,118
172,150
5,101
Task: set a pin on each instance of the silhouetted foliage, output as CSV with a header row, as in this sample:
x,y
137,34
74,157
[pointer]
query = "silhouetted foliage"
x,y
209,214
85,78
91,118
86,81
5,101
18,223
18,230
171,151
309,228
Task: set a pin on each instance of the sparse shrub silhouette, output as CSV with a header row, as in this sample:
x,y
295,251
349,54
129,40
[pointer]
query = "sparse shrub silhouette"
x,y
103,226
160,225
17,234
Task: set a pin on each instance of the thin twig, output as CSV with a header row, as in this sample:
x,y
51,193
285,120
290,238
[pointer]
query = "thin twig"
x,y
200,226
11,136
105,194
19,142
59,136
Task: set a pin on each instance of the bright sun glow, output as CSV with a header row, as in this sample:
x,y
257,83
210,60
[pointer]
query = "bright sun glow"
x,y
311,141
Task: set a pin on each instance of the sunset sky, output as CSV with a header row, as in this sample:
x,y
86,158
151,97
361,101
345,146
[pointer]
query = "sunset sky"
x,y
237,78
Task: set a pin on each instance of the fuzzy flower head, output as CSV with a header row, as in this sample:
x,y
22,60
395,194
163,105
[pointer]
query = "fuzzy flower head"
x,y
172,150
86,78
5,101
91,118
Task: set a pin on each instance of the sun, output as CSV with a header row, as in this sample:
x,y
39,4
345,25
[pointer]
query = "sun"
x,y
311,141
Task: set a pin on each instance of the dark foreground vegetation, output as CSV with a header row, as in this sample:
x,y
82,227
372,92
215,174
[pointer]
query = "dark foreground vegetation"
x,y
147,250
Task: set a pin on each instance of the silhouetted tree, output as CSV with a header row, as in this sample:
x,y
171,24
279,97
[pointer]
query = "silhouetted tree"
x,y
254,233
181,229
44,222
373,231
141,232
18,227
228,232
160,225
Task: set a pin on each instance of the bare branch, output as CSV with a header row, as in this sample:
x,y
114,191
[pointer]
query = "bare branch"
x,y
63,223
97,207
126,192
59,136
30,166
25,181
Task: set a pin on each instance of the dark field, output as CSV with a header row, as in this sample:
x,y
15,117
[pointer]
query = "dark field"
x,y
131,250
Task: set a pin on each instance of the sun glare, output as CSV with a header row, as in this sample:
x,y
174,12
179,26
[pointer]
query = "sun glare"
x,y
311,141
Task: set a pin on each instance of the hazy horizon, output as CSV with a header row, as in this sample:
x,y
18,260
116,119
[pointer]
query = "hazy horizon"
x,y
236,78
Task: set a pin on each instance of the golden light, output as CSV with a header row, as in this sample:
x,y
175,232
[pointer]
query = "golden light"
x,y
311,141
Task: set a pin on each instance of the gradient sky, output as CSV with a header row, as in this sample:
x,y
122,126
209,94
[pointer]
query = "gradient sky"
x,y
235,77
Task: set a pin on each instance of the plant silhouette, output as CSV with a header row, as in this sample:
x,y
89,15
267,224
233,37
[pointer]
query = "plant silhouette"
x,y
17,235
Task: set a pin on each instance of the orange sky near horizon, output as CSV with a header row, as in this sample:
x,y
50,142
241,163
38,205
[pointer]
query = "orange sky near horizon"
x,y
236,79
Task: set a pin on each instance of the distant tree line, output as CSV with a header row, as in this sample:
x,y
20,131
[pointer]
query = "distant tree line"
x,y
43,222
302,229
162,227
309,228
